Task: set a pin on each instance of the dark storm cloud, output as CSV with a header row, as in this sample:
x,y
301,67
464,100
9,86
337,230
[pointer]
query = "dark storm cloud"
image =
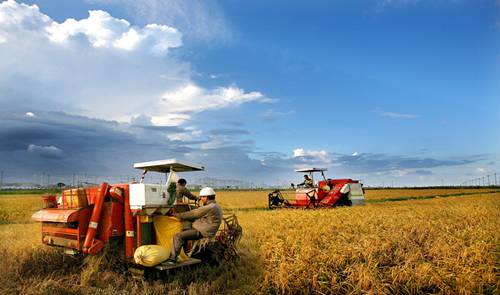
x,y
18,138
62,144
58,142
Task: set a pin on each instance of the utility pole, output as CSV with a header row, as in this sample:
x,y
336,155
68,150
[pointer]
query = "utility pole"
x,y
488,180
1,179
48,180
496,179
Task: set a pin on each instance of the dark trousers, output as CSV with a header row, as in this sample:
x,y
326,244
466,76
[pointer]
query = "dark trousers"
x,y
180,238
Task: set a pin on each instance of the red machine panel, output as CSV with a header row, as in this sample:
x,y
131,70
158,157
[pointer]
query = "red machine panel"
x,y
62,227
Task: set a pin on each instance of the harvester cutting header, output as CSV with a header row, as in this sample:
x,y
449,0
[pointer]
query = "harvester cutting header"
x,y
126,215
325,193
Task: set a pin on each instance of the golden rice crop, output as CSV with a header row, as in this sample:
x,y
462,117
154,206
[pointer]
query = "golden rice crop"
x,y
443,245
18,209
377,194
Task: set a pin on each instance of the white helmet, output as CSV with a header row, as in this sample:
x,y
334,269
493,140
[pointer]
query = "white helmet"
x,y
207,191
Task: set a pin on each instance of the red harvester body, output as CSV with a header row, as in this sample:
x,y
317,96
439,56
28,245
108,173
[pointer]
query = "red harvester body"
x,y
325,193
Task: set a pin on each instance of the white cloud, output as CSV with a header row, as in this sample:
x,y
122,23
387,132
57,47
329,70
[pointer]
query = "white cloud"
x,y
48,151
320,155
398,115
101,67
29,114
105,31
191,98
170,119
355,154
13,14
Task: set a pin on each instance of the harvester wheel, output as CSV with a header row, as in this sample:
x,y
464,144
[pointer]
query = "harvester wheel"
x,y
275,199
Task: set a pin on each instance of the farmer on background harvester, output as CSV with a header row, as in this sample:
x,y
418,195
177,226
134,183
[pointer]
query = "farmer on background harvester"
x,y
206,222
307,183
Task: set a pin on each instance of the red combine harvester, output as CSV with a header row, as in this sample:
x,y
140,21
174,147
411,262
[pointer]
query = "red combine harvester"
x,y
83,220
326,193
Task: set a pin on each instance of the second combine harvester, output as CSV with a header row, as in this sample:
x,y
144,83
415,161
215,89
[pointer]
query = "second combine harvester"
x,y
325,193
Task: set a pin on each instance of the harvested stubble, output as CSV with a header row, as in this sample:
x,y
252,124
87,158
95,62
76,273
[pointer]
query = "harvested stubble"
x,y
444,245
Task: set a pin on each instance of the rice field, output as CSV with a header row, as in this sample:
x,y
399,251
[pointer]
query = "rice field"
x,y
448,245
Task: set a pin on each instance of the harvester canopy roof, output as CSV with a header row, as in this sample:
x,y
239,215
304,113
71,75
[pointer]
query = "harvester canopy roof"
x,y
165,166
311,169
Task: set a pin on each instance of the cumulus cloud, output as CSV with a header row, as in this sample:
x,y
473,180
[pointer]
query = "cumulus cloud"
x,y
100,28
102,67
320,156
105,31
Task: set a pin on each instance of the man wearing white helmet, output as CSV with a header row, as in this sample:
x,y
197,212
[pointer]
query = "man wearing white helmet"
x,y
206,222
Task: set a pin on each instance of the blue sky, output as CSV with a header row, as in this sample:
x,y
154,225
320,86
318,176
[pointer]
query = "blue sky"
x,y
387,91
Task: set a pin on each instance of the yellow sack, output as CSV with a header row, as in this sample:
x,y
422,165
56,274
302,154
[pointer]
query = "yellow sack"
x,y
165,229
151,255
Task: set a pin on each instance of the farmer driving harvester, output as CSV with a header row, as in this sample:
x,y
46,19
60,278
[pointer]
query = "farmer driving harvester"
x,y
206,222
182,191
307,183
